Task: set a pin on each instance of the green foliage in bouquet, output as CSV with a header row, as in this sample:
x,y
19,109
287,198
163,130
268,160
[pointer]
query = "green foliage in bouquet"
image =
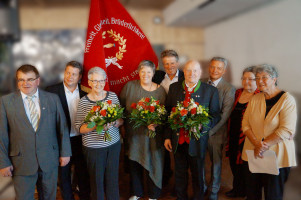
x,y
148,111
102,113
191,116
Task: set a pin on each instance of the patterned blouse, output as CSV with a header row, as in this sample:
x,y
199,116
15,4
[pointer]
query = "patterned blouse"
x,y
92,139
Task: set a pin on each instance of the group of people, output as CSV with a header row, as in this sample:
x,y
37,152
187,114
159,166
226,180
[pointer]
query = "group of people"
x,y
40,130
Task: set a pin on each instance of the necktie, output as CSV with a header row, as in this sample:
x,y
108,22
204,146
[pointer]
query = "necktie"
x,y
34,116
211,83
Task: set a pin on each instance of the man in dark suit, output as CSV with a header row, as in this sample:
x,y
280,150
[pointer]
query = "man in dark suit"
x,y
218,134
70,93
190,153
172,74
33,137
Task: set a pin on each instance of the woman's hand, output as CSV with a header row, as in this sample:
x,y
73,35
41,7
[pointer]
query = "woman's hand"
x,y
84,129
116,124
152,127
107,126
260,148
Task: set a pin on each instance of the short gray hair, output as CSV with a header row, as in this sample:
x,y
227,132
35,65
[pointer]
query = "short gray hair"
x,y
147,63
221,59
170,53
97,70
251,69
270,69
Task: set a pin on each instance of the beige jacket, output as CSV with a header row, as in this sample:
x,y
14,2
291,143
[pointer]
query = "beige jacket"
x,y
281,120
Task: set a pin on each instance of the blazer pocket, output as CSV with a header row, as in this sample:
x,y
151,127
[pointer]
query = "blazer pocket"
x,y
14,152
55,147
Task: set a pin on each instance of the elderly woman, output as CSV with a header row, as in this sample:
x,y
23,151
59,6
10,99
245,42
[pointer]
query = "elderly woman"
x,y
269,123
144,153
236,136
102,156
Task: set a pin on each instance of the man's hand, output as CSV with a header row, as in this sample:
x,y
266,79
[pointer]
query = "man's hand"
x,y
122,131
64,161
118,122
7,171
167,145
194,129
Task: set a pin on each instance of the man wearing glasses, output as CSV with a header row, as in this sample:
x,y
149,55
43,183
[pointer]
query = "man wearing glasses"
x,y
33,137
70,93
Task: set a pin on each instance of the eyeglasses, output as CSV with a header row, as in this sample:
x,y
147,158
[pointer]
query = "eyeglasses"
x,y
98,81
30,80
248,79
264,78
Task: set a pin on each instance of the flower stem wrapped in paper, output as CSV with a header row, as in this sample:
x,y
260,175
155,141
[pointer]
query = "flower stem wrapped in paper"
x,y
146,112
191,116
101,115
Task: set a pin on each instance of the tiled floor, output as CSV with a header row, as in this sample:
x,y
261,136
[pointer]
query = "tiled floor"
x,y
292,190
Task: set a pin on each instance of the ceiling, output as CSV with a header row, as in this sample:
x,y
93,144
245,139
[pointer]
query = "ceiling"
x,y
202,13
191,13
139,4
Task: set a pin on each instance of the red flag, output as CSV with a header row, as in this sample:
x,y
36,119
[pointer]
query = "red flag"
x,y
115,43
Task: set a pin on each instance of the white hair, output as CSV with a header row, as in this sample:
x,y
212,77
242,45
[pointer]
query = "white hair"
x,y
96,70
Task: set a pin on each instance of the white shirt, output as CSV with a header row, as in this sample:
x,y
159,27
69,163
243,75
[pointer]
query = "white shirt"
x,y
36,102
190,89
72,101
166,82
215,83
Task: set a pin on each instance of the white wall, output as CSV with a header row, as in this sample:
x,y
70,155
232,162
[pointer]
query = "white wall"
x,y
270,34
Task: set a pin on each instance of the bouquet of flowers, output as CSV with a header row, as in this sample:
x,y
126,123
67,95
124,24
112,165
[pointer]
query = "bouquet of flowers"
x,y
148,111
102,113
189,115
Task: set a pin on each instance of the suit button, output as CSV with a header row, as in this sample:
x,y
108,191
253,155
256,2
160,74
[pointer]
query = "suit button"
x,y
178,134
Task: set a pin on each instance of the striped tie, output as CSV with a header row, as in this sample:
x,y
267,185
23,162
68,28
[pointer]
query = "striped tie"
x,y
34,116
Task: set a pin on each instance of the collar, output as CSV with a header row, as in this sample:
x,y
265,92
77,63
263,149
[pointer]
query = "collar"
x,y
216,82
193,88
25,95
176,76
67,90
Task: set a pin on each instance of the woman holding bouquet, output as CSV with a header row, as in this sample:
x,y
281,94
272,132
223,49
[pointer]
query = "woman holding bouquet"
x,y
102,156
144,153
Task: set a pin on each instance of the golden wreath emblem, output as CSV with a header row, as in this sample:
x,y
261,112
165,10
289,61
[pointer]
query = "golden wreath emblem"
x,y
122,48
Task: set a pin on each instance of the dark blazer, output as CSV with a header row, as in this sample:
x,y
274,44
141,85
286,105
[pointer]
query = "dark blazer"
x,y
160,75
26,149
226,94
206,95
60,91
